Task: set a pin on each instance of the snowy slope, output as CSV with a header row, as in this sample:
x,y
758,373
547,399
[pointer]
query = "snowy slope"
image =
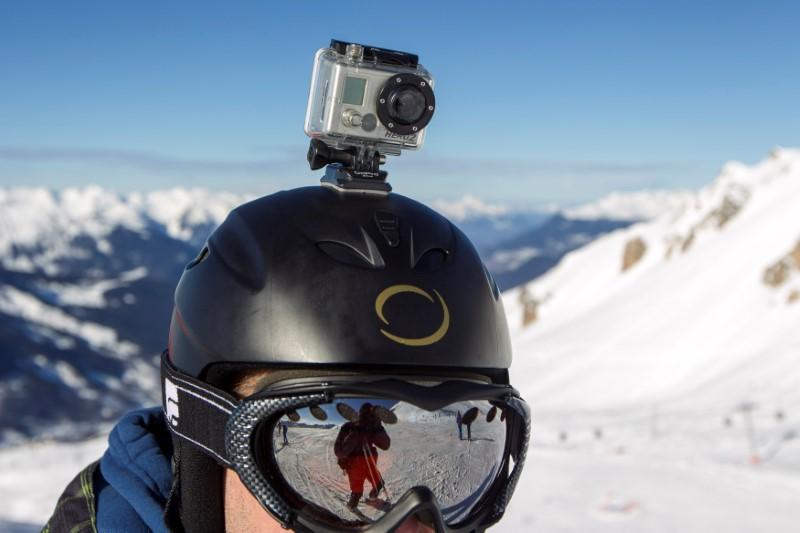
x,y
694,317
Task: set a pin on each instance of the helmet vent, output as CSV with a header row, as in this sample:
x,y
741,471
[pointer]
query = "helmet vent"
x,y
369,257
429,250
431,260
389,225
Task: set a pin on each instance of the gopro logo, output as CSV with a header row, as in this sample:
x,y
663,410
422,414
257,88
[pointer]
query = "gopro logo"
x,y
171,403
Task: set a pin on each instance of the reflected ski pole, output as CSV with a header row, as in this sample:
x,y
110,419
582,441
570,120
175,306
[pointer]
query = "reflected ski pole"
x,y
376,474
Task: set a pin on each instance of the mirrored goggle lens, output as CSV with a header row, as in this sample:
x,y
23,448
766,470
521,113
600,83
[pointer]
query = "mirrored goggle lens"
x,y
355,457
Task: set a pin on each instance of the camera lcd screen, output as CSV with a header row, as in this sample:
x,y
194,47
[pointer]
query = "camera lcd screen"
x,y
354,91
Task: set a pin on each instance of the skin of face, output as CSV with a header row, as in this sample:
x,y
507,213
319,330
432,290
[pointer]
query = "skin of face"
x,y
243,513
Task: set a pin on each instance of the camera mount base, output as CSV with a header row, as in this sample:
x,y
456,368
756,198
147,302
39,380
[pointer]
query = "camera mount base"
x,y
348,180
351,169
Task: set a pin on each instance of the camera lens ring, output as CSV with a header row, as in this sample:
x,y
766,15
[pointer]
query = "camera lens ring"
x,y
405,88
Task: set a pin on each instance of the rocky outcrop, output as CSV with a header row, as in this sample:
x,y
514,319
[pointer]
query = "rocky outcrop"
x,y
777,274
725,212
795,255
719,217
634,251
687,242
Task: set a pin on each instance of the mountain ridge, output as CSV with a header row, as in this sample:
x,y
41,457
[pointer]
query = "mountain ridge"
x,y
692,315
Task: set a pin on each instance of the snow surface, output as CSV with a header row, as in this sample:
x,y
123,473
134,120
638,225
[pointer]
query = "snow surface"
x,y
657,488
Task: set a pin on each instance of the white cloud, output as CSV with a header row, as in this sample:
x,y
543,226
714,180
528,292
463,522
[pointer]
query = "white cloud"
x,y
467,207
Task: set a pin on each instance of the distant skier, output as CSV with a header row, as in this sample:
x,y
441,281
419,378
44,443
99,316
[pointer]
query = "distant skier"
x,y
458,423
469,417
357,455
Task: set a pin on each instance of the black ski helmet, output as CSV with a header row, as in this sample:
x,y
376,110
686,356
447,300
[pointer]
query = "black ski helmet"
x,y
318,278
313,276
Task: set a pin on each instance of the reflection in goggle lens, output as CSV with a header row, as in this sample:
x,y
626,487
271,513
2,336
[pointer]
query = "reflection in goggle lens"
x,y
355,457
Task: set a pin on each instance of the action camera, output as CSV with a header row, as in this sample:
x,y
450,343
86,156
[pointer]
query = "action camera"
x,y
363,95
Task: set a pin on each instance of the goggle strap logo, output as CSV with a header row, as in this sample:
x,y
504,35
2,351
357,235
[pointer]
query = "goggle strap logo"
x,y
172,410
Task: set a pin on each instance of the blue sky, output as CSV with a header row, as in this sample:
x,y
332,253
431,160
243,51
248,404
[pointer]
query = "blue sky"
x,y
537,102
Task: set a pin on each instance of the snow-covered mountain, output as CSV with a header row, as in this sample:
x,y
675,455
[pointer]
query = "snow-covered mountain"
x,y
86,282
702,303
531,251
662,366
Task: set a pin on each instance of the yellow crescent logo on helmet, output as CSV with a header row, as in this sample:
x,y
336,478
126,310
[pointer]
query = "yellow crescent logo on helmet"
x,y
436,336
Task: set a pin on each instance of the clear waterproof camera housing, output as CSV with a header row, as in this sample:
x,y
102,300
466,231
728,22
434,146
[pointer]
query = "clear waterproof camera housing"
x,y
363,96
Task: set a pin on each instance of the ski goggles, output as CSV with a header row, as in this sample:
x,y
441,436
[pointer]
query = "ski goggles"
x,y
362,452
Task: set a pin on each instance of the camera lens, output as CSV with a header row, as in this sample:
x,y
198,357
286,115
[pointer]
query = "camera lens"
x,y
406,104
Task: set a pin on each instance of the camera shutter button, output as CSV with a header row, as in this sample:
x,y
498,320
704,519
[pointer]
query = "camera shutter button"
x,y
369,122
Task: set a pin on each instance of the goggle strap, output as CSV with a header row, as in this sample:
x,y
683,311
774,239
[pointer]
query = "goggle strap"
x,y
196,412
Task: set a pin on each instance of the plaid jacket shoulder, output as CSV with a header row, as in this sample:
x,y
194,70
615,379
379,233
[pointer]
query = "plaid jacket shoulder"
x,y
75,511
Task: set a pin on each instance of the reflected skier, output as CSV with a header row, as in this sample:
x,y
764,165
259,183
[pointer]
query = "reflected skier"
x,y
357,455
